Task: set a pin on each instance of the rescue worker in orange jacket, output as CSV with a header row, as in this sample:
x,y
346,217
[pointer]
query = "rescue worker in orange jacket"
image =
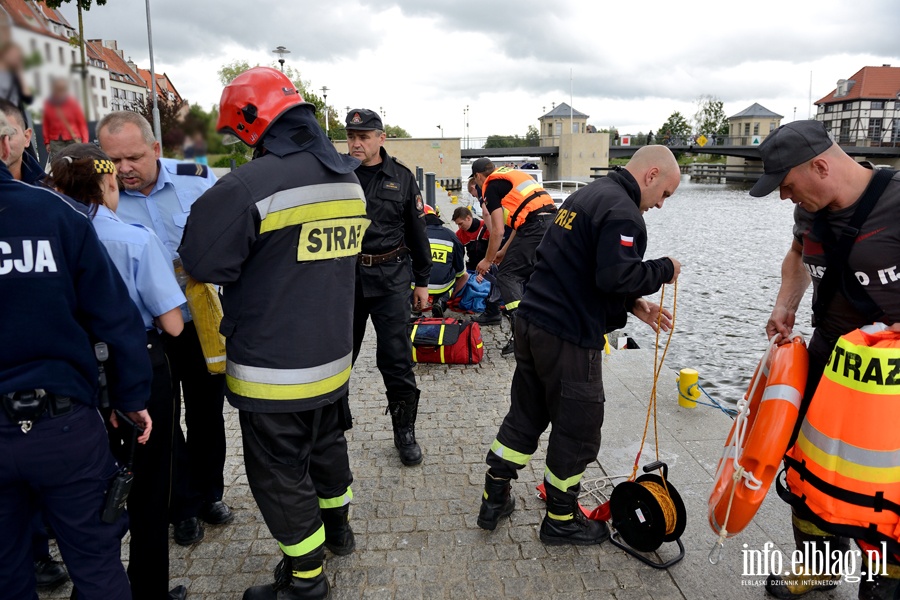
x,y
515,200
281,235
827,185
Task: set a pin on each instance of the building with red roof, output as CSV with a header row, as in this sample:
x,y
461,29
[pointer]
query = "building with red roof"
x,y
865,109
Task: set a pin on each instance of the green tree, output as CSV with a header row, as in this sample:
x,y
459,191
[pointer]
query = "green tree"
x,y
82,5
170,123
710,118
676,129
533,136
394,131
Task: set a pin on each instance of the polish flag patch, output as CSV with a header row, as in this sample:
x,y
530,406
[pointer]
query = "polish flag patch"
x,y
627,241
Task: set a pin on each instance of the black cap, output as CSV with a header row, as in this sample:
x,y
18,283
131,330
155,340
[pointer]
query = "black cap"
x,y
787,147
363,119
481,165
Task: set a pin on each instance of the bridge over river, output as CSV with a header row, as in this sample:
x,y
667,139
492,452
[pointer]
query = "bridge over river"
x,y
721,146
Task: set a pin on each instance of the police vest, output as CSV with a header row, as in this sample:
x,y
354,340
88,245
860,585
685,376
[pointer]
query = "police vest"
x,y
526,196
844,470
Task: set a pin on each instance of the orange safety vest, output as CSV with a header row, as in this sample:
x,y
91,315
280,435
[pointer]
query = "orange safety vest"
x,y
526,196
843,473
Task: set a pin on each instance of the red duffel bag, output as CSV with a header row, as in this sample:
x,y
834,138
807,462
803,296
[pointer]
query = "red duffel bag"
x,y
447,341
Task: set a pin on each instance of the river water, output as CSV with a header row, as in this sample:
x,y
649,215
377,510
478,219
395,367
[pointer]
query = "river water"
x,y
731,246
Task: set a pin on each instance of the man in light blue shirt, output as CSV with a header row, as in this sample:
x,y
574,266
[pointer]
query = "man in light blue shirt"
x,y
158,193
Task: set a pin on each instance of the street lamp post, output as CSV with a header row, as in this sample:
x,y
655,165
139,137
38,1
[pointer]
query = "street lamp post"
x,y
281,51
466,126
442,130
157,129
325,102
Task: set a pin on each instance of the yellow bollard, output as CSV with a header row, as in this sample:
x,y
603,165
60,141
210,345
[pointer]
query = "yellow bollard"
x,y
688,388
454,200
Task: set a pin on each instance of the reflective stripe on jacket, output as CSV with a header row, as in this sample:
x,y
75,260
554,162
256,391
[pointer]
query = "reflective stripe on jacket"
x,y
281,235
526,196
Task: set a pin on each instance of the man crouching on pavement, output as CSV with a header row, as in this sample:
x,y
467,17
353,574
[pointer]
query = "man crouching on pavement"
x,y
590,271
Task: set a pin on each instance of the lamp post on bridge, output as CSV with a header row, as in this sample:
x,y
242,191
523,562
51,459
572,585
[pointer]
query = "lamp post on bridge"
x,y
281,51
442,130
325,102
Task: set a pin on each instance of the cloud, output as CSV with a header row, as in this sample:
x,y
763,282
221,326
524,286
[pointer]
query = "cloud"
x,y
184,30
423,62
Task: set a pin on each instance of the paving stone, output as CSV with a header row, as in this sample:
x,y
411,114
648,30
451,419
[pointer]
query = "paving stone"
x,y
416,529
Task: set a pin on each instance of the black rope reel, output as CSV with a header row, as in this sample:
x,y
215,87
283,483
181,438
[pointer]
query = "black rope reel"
x,y
648,512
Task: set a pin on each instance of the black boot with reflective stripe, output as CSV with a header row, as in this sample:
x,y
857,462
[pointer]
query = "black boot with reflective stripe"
x,y
496,502
296,578
403,417
564,522
339,536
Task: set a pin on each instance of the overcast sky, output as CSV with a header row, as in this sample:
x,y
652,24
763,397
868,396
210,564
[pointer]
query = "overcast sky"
x,y
424,61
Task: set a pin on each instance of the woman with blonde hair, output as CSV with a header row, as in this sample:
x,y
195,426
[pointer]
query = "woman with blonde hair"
x,y
85,173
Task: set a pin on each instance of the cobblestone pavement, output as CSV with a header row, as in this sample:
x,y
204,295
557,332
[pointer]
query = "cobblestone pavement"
x,y
415,526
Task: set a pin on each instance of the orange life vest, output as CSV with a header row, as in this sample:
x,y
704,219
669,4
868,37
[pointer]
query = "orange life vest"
x,y
843,473
526,196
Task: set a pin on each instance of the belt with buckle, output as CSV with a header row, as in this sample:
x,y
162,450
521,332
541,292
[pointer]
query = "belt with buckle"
x,y
370,260
27,406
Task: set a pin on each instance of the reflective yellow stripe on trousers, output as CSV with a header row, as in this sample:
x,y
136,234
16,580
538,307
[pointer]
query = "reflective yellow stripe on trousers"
x,y
288,384
306,546
508,454
338,501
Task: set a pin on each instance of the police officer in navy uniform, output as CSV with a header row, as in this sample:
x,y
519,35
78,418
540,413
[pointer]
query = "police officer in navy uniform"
x,y
395,238
158,193
61,293
48,572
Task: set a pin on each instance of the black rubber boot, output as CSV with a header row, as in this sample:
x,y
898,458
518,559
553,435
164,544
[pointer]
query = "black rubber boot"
x,y
490,316
339,536
880,588
510,346
564,522
496,502
403,417
439,307
298,578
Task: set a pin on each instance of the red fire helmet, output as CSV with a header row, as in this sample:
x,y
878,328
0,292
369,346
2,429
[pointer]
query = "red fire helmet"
x,y
253,101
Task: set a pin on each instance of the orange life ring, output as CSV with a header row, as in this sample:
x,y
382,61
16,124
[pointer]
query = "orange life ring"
x,y
759,437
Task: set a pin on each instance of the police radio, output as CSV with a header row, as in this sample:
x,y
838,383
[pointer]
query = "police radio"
x,y
117,495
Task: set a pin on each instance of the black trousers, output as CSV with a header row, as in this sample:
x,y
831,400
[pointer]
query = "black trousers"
x,y
393,350
200,454
65,466
518,264
556,382
290,468
148,502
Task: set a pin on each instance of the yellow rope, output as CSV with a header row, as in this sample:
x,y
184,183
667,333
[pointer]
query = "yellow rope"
x,y
657,369
660,492
665,502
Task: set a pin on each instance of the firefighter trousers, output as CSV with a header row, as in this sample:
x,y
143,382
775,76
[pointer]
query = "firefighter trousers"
x,y
393,349
555,383
295,466
518,264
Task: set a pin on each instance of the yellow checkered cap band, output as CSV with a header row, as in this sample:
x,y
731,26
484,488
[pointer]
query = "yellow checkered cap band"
x,y
104,166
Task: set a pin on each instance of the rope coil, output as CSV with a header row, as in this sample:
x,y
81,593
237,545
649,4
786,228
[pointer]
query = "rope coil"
x,y
660,492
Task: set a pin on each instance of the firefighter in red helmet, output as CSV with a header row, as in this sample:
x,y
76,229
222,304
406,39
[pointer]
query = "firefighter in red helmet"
x,y
280,235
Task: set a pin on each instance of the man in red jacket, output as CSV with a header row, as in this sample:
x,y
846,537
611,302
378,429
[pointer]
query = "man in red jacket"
x,y
64,122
